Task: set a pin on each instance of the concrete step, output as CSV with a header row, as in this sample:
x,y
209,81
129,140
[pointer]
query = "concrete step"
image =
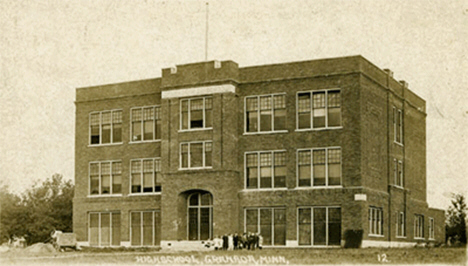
x,y
185,245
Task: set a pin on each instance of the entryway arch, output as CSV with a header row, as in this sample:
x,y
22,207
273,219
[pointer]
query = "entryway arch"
x,y
199,215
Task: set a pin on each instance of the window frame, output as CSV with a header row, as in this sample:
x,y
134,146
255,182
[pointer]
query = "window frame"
x,y
401,225
272,209
431,228
142,108
181,129
101,125
272,96
398,125
418,226
272,152
111,214
376,223
398,173
154,229
326,127
100,178
142,176
189,143
312,168
311,208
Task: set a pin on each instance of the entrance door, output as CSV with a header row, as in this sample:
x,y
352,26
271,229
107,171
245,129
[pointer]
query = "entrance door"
x,y
200,216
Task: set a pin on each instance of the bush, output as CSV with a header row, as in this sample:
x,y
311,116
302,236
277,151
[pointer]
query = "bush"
x,y
353,238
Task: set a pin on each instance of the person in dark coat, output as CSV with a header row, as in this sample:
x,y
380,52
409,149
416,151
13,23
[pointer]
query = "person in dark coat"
x,y
236,241
225,242
251,241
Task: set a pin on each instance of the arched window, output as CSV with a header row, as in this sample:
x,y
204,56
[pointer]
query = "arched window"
x,y
200,216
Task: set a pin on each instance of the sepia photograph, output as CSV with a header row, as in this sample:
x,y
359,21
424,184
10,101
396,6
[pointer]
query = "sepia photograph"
x,y
246,132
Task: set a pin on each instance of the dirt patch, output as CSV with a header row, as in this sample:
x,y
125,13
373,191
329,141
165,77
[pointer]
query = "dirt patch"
x,y
41,248
4,249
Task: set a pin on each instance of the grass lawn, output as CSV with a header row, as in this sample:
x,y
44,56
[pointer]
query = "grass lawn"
x,y
302,256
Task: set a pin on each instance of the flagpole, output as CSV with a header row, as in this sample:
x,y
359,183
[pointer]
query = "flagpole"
x,y
206,33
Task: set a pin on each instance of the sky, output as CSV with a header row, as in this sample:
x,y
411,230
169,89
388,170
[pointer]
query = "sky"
x,y
50,48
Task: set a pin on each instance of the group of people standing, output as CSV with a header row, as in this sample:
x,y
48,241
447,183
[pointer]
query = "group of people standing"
x,y
249,241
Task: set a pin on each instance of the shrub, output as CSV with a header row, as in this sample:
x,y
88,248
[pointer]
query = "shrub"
x,y
353,238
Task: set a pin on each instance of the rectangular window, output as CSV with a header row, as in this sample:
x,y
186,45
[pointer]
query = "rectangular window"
x,y
105,178
145,228
196,155
145,175
418,226
431,228
319,226
266,113
401,232
319,109
104,229
196,113
375,221
105,127
269,222
400,174
398,125
146,124
265,170
319,167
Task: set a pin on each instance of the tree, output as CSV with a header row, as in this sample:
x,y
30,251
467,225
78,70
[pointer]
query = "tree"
x,y
12,215
455,224
41,209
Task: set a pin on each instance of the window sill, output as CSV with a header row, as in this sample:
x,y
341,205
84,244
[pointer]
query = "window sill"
x,y
317,129
144,194
105,196
144,141
195,129
401,237
431,239
265,132
318,187
197,168
373,235
419,238
104,145
398,143
399,187
263,189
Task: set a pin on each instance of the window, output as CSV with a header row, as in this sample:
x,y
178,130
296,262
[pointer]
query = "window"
x,y
431,228
418,226
145,228
196,113
104,229
146,124
375,221
269,222
105,127
401,224
145,175
200,216
319,226
319,167
319,109
398,125
105,178
196,155
266,169
398,172
266,113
